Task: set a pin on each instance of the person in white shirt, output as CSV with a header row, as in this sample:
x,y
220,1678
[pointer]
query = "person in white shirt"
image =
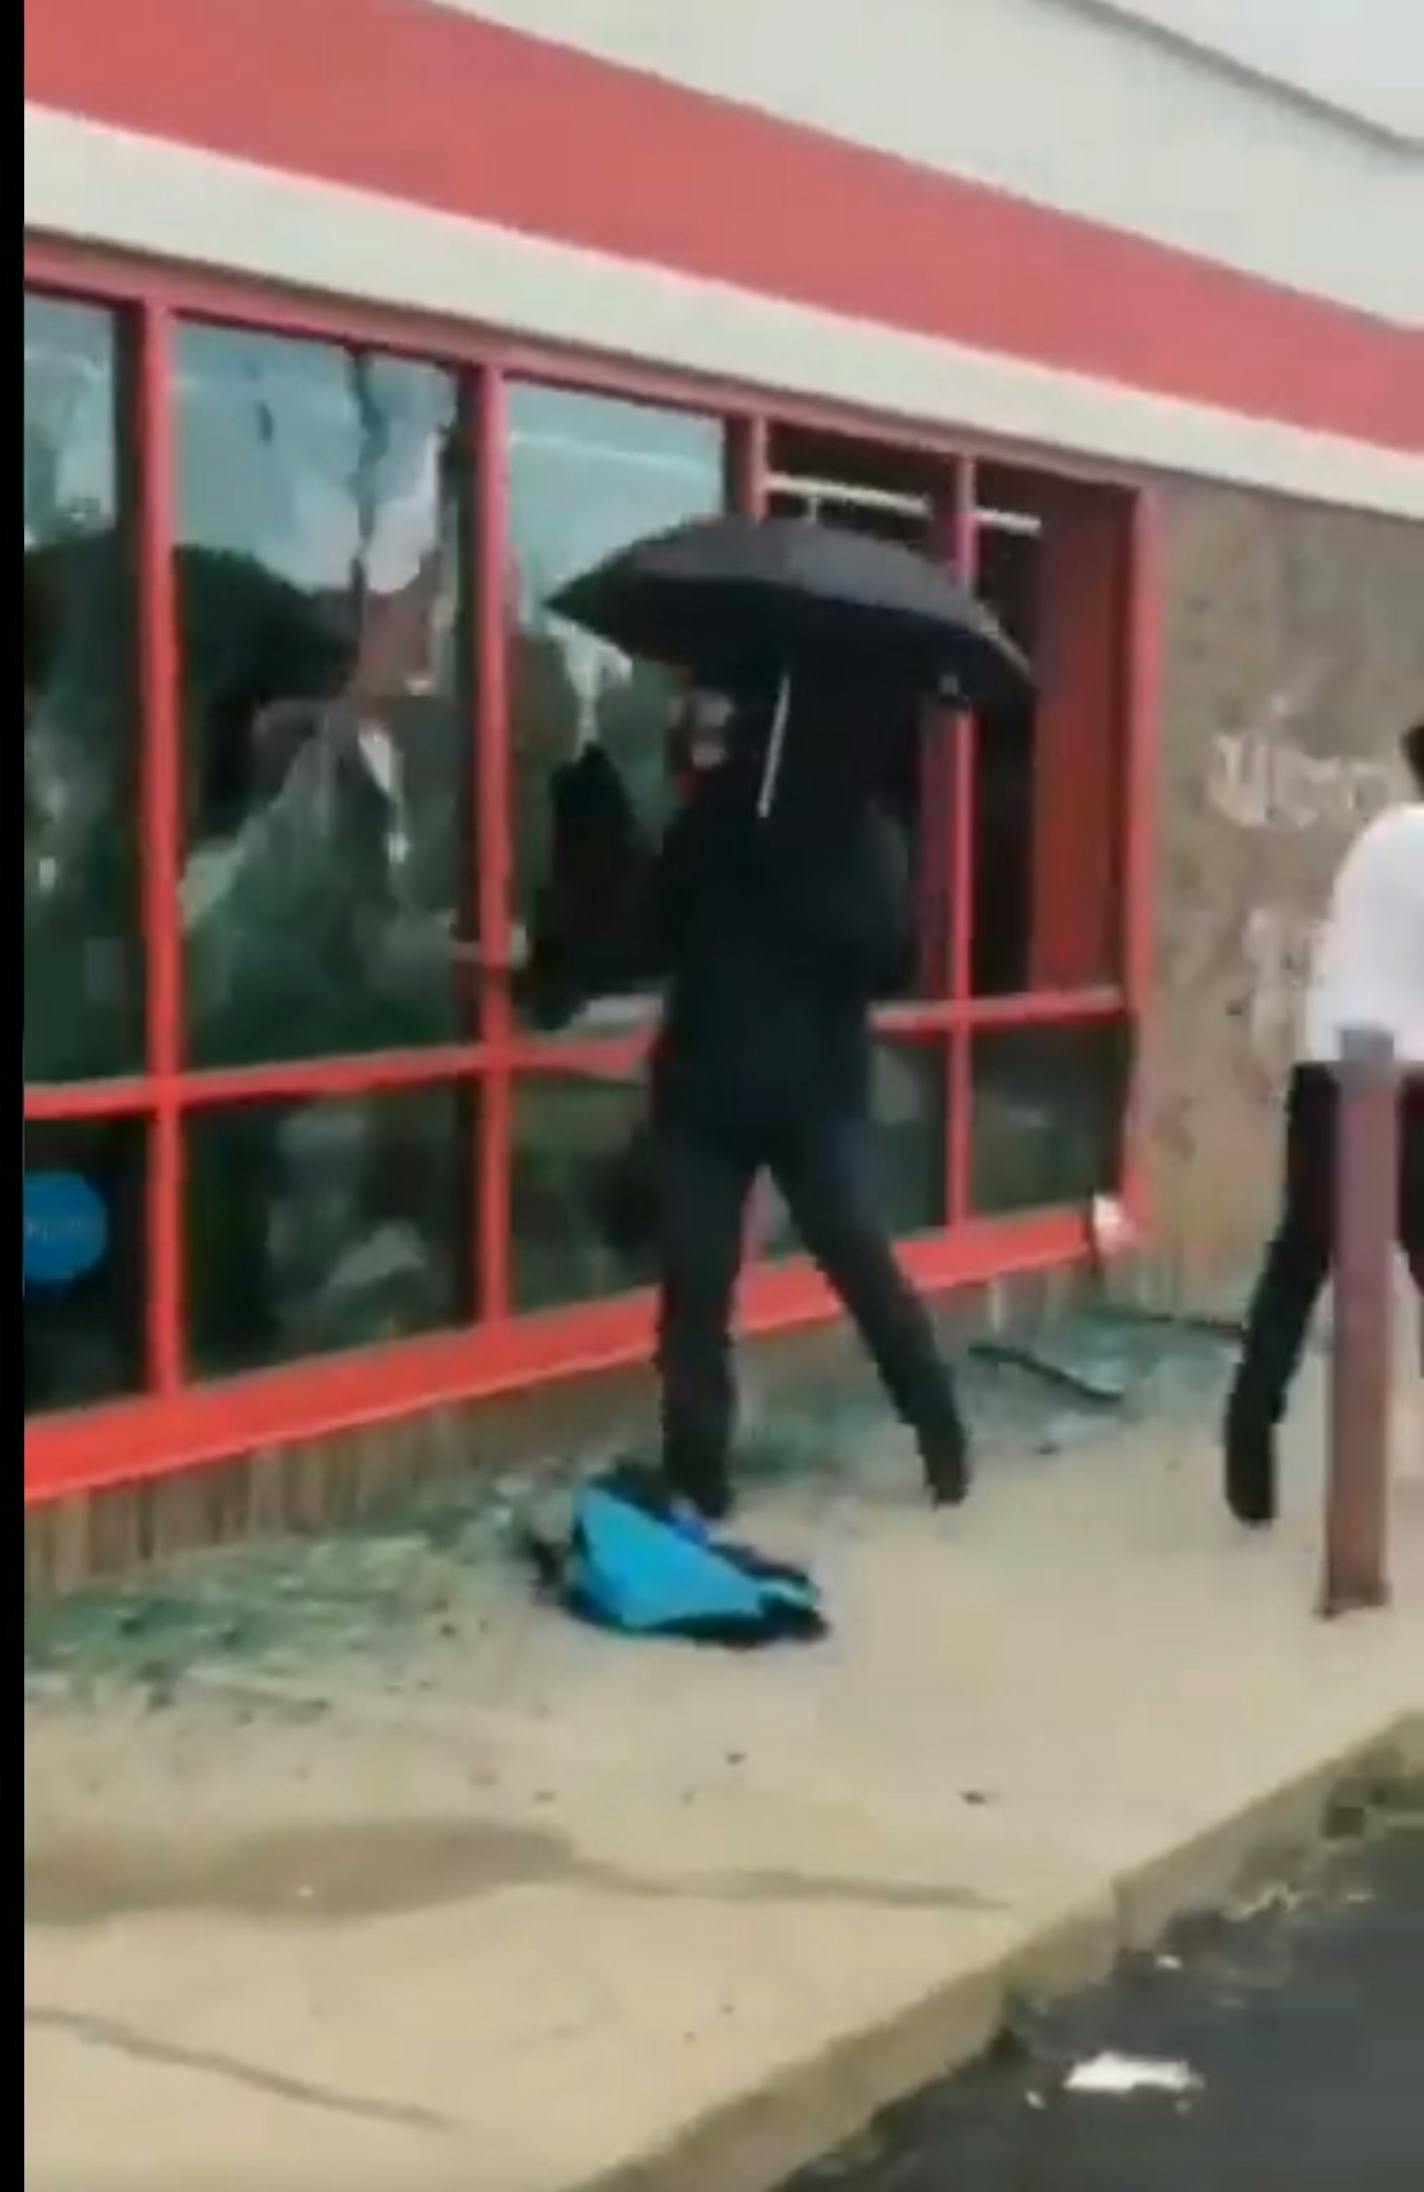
x,y
1369,973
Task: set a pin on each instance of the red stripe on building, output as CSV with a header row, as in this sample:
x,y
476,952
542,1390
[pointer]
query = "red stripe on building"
x,y
450,112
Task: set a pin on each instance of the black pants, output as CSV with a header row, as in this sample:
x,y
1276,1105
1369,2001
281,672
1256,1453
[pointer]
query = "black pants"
x,y
1300,1255
824,1173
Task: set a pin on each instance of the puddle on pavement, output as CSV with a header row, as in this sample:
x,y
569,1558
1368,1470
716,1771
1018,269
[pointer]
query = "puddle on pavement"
x,y
344,1871
333,1872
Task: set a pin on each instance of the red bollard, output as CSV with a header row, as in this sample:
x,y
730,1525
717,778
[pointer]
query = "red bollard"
x,y
1366,1198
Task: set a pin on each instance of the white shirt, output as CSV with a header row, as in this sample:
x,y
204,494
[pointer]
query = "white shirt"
x,y
1369,965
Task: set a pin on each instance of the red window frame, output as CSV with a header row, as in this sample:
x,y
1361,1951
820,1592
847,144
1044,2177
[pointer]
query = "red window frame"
x,y
175,1423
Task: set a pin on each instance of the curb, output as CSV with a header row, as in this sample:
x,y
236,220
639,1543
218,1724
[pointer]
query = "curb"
x,y
808,2109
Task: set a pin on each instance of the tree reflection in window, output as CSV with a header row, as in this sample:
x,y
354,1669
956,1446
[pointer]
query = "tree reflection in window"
x,y
568,1130
339,1223
588,474
330,870
83,954
1048,1109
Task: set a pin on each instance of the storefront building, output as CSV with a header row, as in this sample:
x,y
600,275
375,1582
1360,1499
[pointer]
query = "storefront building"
x,y
353,328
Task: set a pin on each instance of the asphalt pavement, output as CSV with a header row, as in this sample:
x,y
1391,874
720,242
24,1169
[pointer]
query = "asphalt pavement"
x,y
1286,2042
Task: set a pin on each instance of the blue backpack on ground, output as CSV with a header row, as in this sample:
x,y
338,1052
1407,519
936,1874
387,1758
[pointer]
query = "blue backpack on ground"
x,y
637,1563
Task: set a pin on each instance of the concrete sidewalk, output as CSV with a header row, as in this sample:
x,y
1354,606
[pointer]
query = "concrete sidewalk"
x,y
530,1910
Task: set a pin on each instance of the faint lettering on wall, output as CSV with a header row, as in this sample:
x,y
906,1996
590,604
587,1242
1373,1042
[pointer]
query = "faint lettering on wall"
x,y
1258,781
1277,949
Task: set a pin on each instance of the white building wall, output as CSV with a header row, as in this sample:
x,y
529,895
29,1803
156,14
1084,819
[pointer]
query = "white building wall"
x,y
142,195
1077,105
1365,59
1084,105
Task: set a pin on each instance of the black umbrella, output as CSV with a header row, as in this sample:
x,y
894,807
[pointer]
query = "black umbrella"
x,y
729,595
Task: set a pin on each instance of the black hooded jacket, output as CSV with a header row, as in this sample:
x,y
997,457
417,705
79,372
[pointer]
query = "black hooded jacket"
x,y
773,938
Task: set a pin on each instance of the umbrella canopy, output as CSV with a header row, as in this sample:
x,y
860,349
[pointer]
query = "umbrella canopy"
x,y
729,595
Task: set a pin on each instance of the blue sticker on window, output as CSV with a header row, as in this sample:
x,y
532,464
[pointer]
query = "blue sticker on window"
x,y
66,1228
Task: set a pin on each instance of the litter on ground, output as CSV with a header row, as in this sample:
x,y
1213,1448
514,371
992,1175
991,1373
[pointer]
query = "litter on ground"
x,y
1121,2074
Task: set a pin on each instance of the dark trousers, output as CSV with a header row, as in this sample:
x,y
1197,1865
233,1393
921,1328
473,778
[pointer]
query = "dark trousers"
x,y
824,1173
1301,1253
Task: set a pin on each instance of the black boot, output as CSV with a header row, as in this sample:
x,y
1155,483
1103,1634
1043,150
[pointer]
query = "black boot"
x,y
701,1479
944,1453
1295,1270
1249,1444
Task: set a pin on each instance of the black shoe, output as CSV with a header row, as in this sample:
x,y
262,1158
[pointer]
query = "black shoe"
x,y
1250,1478
706,1489
945,1456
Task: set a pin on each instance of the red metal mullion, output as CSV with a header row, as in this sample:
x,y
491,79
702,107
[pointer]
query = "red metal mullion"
x,y
747,441
131,1097
1035,1008
600,1057
222,299
1142,625
915,1017
906,1019
494,850
963,546
85,270
125,1442
161,810
313,1077
1025,1008
347,1075
745,491
961,1038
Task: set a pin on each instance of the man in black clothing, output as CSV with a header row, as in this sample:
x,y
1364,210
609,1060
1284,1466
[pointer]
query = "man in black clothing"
x,y
775,934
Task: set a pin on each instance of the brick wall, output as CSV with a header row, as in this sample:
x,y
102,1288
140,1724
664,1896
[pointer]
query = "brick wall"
x,y
1294,657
